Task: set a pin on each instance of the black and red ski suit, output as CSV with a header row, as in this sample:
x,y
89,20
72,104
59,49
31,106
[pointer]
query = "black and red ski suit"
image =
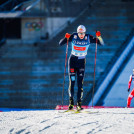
x,y
77,60
131,95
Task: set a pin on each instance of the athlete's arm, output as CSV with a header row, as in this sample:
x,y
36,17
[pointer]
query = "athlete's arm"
x,y
129,83
64,40
99,38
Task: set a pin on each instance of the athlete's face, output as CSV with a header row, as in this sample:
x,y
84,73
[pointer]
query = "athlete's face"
x,y
81,35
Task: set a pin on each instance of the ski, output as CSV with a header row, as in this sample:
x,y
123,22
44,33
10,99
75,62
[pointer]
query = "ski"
x,y
83,111
74,111
67,111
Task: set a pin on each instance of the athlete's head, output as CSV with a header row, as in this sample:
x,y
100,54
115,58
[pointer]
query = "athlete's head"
x,y
133,71
81,31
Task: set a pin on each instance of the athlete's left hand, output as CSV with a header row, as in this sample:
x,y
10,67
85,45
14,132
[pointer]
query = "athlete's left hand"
x,y
98,33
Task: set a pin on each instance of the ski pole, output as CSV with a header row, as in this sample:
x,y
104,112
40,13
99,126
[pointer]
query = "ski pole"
x,y
65,72
94,71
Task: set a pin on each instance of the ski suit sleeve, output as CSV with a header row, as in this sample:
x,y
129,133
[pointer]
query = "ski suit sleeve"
x,y
99,40
130,80
64,40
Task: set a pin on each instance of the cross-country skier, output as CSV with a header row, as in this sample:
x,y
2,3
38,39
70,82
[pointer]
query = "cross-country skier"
x,y
80,42
131,95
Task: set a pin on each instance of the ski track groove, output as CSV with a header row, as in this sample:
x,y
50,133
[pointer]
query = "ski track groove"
x,y
11,130
44,121
28,133
57,117
46,127
88,123
22,130
21,118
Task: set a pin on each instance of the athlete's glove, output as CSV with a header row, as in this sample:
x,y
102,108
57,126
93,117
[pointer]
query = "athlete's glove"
x,y
67,35
128,89
98,33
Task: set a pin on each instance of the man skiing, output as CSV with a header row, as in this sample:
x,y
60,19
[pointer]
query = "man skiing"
x,y
80,42
131,95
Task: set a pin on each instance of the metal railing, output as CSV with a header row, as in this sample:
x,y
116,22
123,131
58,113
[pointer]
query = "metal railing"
x,y
12,9
14,5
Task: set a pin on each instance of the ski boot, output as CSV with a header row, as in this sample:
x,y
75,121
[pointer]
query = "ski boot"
x,y
71,104
128,106
79,108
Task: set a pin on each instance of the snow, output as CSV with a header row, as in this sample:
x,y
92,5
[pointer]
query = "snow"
x,y
106,121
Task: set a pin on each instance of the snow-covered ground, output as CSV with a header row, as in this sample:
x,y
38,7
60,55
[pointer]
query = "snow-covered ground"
x,y
106,121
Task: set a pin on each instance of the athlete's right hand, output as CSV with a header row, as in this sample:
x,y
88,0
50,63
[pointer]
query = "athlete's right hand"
x,y
67,35
128,89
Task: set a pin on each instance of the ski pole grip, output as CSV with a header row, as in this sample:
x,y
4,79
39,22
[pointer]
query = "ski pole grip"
x,y
98,33
67,35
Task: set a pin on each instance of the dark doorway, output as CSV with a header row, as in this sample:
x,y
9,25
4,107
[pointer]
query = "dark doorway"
x,y
1,29
11,28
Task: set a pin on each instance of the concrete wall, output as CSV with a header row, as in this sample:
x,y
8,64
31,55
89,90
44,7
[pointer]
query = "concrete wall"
x,y
33,28
51,25
56,24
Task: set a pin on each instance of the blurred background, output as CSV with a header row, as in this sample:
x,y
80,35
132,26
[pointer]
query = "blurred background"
x,y
32,62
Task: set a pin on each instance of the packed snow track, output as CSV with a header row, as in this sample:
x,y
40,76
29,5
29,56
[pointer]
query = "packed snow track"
x,y
105,121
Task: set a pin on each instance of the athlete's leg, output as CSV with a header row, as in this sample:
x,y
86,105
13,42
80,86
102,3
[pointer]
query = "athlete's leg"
x,y
80,78
72,72
71,82
131,95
